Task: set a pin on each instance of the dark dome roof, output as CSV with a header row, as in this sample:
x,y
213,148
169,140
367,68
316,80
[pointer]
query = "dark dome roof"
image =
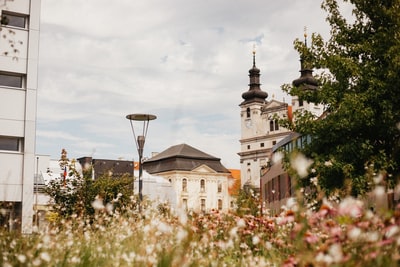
x,y
306,80
254,94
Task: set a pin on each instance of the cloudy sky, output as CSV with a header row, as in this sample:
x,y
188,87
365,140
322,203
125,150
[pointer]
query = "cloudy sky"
x,y
186,62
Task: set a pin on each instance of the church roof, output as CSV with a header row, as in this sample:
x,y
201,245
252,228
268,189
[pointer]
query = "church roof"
x,y
182,157
254,94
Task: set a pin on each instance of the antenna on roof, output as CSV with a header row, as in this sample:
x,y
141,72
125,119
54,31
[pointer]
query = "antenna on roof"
x,y
254,55
305,35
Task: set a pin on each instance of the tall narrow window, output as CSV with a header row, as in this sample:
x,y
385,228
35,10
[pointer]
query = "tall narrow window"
x,y
276,125
219,187
219,204
203,205
271,125
184,185
184,203
202,185
248,112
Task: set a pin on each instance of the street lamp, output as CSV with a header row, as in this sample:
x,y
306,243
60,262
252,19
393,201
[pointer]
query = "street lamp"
x,y
139,141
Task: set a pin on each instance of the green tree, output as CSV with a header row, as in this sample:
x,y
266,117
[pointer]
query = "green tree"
x,y
248,202
76,193
359,83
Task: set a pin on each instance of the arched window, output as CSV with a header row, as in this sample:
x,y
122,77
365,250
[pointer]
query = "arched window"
x,y
184,185
248,112
202,185
276,125
271,125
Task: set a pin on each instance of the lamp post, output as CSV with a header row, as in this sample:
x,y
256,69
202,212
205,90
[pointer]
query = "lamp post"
x,y
139,141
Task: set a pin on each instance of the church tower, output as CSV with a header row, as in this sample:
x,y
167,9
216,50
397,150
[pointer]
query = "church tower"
x,y
260,129
306,82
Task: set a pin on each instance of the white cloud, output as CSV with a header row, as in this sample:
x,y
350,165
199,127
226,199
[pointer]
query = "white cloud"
x,y
185,61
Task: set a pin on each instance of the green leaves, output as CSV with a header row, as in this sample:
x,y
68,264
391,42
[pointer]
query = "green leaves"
x,y
359,85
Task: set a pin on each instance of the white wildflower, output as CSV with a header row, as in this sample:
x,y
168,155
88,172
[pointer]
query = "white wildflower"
x,y
45,256
36,262
181,234
354,233
164,228
291,204
336,252
314,180
321,257
277,157
379,191
21,258
255,240
110,208
301,164
372,236
241,223
233,232
97,204
392,231
328,163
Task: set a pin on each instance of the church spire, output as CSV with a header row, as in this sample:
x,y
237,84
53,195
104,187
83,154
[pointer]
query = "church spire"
x,y
254,94
306,79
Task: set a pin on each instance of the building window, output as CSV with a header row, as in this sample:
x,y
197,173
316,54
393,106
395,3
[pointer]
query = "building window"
x,y
203,205
273,125
184,203
219,187
13,20
273,143
248,146
202,185
248,113
184,185
262,145
11,80
300,102
219,204
10,143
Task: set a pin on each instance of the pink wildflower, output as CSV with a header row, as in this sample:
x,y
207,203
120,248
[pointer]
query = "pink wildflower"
x,y
311,238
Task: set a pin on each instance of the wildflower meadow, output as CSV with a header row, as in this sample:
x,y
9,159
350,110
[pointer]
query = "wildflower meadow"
x,y
346,233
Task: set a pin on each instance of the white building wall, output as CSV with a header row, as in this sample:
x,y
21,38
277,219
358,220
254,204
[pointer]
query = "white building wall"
x,y
194,193
18,108
258,139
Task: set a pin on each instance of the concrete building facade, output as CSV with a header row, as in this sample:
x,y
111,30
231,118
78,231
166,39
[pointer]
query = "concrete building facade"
x,y
19,50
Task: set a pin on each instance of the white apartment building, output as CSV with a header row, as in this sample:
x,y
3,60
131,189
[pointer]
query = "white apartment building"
x,y
19,48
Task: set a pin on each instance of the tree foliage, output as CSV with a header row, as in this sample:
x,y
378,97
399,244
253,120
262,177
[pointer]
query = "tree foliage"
x,y
76,194
360,86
